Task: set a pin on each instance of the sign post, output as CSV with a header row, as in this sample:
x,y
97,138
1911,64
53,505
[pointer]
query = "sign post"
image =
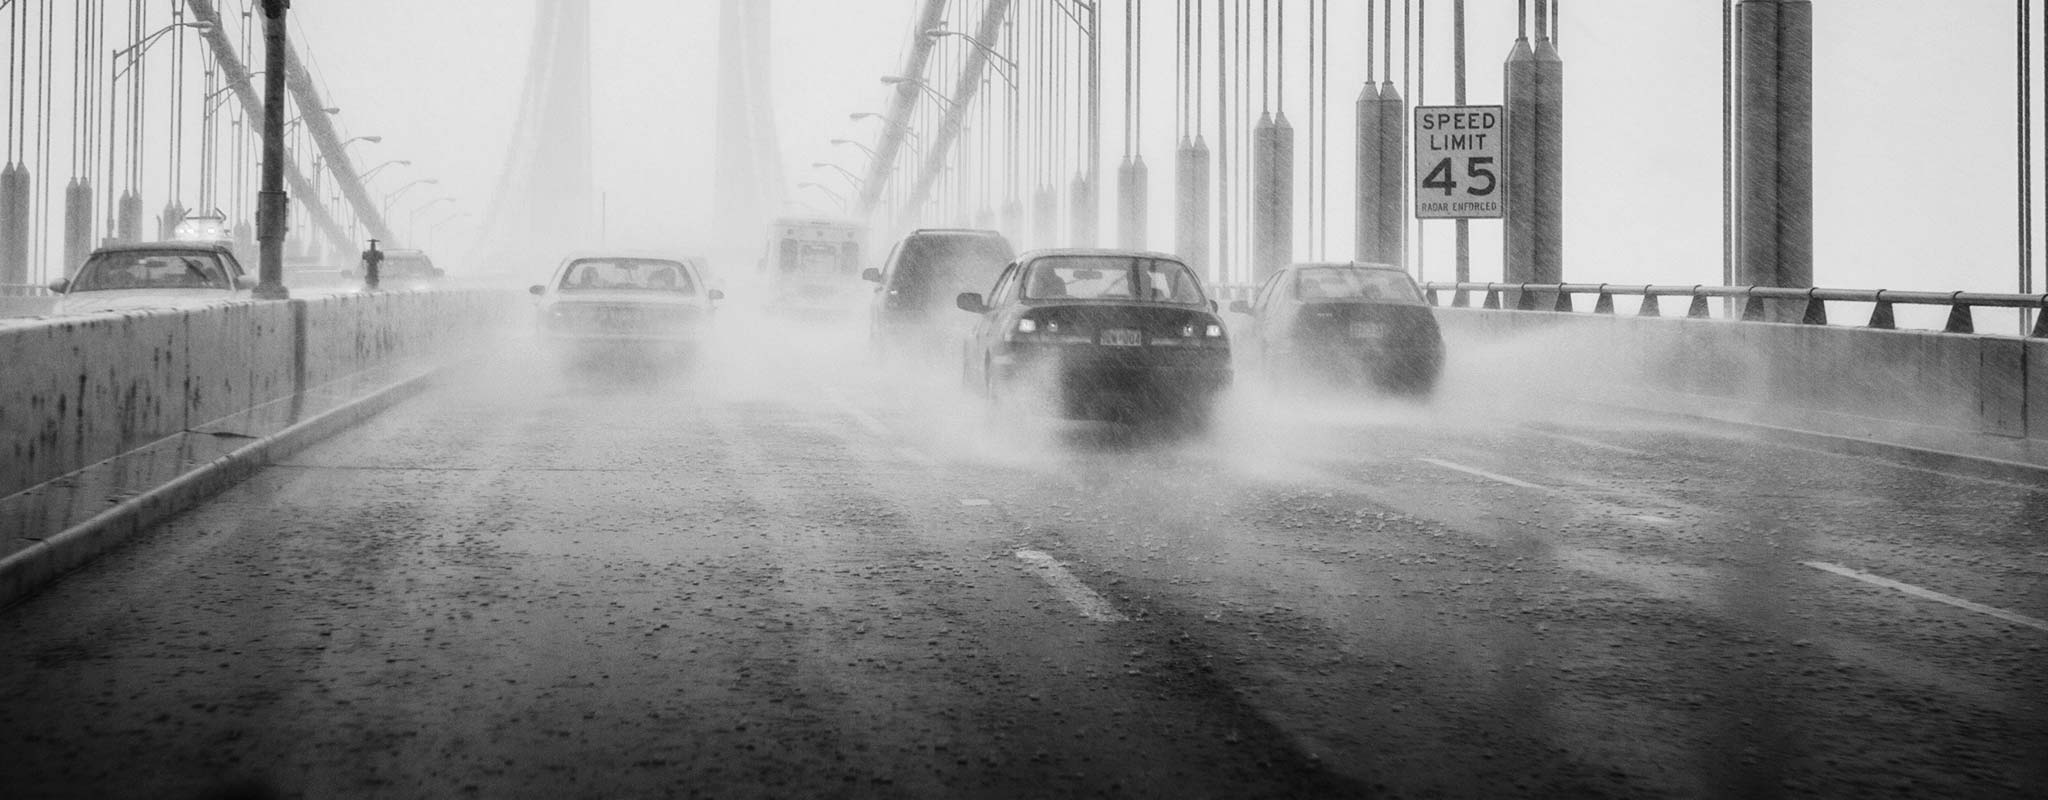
x,y
1458,162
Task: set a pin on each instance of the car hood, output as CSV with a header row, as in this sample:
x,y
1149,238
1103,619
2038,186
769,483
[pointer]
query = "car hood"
x,y
142,300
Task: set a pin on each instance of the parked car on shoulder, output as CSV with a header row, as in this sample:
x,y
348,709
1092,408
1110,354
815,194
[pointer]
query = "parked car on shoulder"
x,y
625,300
911,312
153,275
1114,335
1346,324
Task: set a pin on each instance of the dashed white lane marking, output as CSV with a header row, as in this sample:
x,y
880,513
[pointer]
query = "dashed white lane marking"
x,y
1090,604
1929,594
1483,474
1593,443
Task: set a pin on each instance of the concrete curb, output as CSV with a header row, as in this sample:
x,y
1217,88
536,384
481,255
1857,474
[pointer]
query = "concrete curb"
x,y
24,572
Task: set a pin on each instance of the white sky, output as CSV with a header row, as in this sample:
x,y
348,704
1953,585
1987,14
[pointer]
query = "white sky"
x,y
1915,141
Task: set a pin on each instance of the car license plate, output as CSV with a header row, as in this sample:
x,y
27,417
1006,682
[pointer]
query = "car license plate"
x,y
1367,330
1123,337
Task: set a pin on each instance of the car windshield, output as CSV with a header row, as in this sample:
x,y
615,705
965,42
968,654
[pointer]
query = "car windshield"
x,y
410,265
1133,278
150,270
627,275
1350,283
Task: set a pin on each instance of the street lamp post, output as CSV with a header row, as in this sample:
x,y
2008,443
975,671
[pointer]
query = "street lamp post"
x,y
412,220
850,177
401,190
374,170
943,101
272,203
836,197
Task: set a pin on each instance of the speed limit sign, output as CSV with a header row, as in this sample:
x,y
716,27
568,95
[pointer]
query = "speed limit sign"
x,y
1458,168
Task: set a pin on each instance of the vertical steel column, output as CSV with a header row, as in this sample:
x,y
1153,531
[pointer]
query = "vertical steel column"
x,y
1548,262
1519,239
272,202
1272,195
1774,147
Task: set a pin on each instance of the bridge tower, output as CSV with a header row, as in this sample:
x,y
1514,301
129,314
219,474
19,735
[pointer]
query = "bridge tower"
x,y
749,170
543,205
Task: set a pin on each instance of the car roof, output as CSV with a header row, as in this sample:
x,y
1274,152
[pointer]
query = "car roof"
x,y
1349,265
644,255
1097,251
954,232
194,246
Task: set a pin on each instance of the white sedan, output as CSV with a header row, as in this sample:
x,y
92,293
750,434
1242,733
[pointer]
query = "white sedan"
x,y
153,275
626,300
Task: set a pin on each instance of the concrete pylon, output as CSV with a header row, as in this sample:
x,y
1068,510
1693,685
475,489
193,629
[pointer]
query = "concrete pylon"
x,y
1191,204
1134,184
1774,147
748,175
1519,235
77,224
1366,212
1082,232
1272,195
1045,217
13,227
1549,153
1393,204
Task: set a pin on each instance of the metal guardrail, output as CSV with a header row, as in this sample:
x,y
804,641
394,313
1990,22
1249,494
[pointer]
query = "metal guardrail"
x,y
1558,297
24,290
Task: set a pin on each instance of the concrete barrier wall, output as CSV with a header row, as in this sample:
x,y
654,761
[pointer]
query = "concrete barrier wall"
x,y
1775,373
77,391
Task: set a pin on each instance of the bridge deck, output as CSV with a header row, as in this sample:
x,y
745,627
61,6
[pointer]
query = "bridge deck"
x,y
795,576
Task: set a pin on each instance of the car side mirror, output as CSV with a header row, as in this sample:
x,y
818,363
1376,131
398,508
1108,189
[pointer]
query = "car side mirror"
x,y
971,301
1240,307
716,294
60,285
535,290
871,275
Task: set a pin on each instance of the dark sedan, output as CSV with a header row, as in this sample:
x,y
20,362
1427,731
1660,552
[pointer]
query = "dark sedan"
x,y
1100,334
1349,325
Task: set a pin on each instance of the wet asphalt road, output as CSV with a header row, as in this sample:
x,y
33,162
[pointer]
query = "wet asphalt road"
x,y
800,574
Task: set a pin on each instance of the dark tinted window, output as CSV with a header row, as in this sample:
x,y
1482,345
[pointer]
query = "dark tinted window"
x,y
1348,283
935,269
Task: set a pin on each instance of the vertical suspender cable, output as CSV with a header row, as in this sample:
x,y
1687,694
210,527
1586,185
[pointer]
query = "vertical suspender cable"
x,y
1462,268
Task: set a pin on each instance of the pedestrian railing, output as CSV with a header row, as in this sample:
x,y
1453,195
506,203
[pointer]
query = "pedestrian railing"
x,y
24,290
1807,306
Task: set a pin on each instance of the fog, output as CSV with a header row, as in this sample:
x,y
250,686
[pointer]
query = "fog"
x,y
1643,128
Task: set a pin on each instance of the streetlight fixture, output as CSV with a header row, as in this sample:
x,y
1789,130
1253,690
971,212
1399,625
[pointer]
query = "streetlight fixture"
x,y
836,197
374,170
863,148
143,46
945,101
1009,68
861,115
371,139
401,190
856,180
